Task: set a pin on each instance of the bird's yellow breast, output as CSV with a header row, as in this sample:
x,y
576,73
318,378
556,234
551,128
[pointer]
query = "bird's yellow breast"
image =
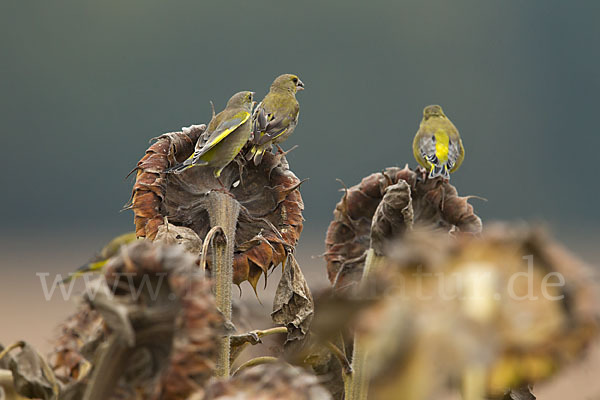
x,y
442,144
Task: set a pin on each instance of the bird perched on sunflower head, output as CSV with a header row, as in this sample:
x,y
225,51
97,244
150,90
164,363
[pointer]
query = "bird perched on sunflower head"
x,y
437,145
227,133
276,116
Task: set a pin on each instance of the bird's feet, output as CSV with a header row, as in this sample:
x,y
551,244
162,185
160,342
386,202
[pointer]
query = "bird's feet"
x,y
223,189
281,151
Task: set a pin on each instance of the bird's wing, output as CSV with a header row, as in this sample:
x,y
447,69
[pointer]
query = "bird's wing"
x,y
454,151
427,148
112,248
270,125
221,132
260,119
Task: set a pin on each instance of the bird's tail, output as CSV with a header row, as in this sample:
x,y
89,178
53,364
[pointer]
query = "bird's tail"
x,y
177,168
255,153
185,165
439,170
258,156
251,153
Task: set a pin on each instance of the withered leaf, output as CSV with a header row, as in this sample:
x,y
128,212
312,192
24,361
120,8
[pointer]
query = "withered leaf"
x,y
180,235
293,305
31,377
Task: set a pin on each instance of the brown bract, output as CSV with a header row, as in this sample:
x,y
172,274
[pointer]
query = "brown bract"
x,y
270,220
410,199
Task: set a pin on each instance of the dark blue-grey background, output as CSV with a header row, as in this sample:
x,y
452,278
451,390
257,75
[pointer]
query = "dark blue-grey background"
x,y
85,84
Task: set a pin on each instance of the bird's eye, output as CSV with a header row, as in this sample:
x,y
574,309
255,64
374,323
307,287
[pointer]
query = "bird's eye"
x,y
295,80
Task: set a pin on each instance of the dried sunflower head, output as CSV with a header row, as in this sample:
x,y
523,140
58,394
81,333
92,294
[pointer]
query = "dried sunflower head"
x,y
269,382
411,199
511,305
270,220
155,315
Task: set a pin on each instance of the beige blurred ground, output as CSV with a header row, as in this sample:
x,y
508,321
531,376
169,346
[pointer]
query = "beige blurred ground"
x,y
26,315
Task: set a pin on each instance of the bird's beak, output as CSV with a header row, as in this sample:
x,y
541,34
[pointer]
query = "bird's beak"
x,y
299,85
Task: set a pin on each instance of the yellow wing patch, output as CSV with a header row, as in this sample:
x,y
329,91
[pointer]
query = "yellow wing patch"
x,y
239,118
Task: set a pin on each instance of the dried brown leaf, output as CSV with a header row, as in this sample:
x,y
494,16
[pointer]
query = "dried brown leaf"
x,y
180,235
31,376
293,305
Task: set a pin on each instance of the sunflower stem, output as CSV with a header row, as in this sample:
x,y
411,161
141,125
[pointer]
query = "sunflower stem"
x,y
256,361
223,211
341,356
240,342
357,386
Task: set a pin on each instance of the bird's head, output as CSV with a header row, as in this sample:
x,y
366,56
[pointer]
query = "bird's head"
x,y
432,111
288,82
241,100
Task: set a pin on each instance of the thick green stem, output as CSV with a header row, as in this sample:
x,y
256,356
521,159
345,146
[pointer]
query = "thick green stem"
x,y
223,212
347,372
357,387
359,382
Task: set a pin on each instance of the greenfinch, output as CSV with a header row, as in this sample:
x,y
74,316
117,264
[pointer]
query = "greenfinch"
x,y
99,260
276,116
437,145
226,134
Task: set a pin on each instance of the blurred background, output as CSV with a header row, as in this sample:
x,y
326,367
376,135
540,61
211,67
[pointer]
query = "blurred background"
x,y
84,85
